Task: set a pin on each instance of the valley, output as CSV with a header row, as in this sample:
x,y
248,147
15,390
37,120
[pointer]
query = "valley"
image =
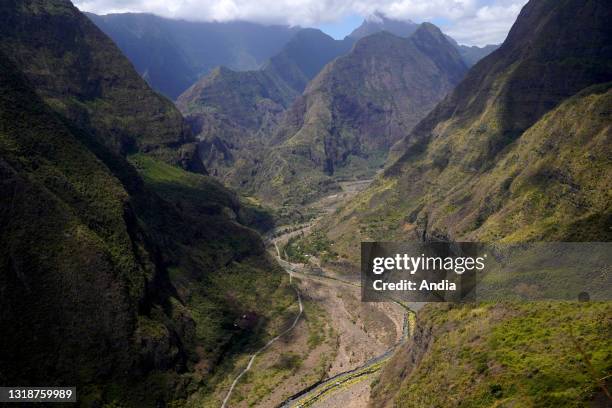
x,y
182,205
340,345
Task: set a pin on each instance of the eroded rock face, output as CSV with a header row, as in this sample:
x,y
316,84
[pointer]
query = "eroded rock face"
x,y
234,114
259,136
366,101
357,107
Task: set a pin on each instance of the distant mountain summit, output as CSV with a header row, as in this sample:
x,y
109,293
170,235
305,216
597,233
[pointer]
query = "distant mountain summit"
x,y
303,57
378,22
173,54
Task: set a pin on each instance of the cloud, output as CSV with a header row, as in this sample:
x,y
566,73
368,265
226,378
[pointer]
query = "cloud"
x,y
487,25
468,21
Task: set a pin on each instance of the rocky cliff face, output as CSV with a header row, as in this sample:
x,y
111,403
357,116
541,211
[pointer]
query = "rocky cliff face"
x,y
234,113
368,100
358,107
115,263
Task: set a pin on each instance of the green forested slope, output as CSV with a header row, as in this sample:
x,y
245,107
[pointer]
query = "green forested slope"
x,y
540,354
519,152
120,272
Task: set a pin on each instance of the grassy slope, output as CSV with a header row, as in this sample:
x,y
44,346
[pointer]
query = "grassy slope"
x,y
546,187
544,354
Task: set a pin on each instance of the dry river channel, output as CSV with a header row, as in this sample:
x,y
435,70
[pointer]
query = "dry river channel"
x,y
347,382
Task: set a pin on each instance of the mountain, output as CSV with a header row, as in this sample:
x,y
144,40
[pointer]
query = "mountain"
x,y
233,113
378,22
173,54
519,151
95,88
354,111
303,57
120,272
472,54
497,145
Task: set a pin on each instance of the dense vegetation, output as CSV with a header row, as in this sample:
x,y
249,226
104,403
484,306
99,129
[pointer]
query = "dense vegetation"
x,y
542,354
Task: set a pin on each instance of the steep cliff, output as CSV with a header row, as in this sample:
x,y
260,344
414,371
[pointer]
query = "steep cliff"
x,y
354,111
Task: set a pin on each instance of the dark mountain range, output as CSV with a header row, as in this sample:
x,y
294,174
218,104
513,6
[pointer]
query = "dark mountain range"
x,y
354,111
378,22
234,113
302,58
472,54
172,54
115,262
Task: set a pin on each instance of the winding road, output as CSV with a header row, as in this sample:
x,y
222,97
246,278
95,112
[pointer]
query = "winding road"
x,y
311,394
269,343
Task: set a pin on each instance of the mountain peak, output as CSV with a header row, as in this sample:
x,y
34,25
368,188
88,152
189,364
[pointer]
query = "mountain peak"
x,y
309,34
378,22
429,29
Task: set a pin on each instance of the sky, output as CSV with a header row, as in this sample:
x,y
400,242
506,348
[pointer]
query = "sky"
x,y
471,22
